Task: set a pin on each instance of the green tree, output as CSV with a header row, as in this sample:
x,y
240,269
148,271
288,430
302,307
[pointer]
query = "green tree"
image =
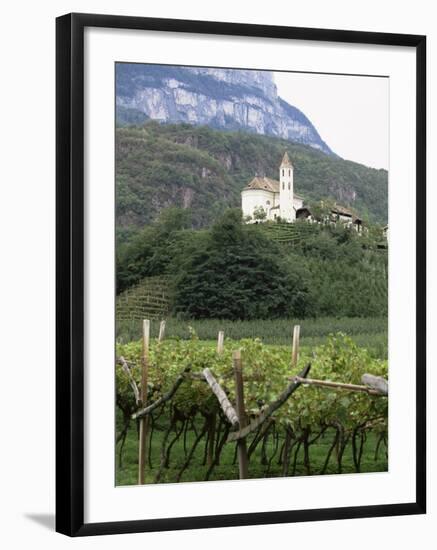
x,y
239,274
151,251
259,214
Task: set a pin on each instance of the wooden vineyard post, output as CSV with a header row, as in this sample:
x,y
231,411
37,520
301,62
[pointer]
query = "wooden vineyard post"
x,y
295,349
241,412
220,340
222,398
161,331
142,453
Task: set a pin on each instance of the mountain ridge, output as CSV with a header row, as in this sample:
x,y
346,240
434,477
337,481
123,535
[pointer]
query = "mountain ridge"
x,y
226,99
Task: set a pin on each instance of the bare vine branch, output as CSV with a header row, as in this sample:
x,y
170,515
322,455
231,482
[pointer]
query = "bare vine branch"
x,y
166,396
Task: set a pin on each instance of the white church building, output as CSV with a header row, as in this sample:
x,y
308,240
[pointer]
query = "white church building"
x,y
275,198
265,199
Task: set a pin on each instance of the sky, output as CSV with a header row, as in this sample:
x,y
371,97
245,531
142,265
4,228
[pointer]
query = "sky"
x,y
351,113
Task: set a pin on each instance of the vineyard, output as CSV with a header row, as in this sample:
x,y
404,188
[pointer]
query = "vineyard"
x,y
286,411
290,233
369,333
148,299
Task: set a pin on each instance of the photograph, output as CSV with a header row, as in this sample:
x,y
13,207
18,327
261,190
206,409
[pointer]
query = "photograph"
x,y
220,236
252,237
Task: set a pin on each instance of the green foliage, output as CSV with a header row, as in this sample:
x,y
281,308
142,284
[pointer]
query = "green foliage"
x,y
205,169
258,271
339,360
240,274
259,214
348,276
150,252
266,370
368,333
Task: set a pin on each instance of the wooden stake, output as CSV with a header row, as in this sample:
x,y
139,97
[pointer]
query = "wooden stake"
x,y
341,385
295,349
161,331
223,400
274,406
241,412
142,453
220,340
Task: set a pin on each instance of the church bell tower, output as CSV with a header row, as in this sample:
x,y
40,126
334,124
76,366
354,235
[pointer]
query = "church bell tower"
x,y
286,191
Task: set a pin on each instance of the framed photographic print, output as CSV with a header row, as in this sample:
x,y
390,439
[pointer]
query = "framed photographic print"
x,y
240,274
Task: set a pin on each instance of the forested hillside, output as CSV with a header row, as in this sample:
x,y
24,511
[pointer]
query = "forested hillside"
x,y
242,272
204,170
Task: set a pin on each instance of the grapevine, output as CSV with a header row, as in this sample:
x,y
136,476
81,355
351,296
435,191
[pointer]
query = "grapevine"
x,y
308,416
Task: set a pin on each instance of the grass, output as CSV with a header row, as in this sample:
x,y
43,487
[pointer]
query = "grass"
x,y
370,333
127,474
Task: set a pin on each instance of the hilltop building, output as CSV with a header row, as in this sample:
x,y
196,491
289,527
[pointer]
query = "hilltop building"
x,y
265,199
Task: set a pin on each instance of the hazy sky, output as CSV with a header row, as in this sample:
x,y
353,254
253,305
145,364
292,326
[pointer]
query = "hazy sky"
x,y
349,112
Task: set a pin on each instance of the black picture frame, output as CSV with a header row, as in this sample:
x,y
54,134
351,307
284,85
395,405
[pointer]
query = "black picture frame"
x,y
70,273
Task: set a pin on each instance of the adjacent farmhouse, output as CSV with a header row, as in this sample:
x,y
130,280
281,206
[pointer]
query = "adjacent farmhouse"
x,y
266,199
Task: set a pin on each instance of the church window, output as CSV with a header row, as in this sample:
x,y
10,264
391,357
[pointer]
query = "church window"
x,y
283,186
283,171
289,172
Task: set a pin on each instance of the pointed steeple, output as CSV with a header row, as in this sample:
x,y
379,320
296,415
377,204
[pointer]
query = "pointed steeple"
x,y
286,161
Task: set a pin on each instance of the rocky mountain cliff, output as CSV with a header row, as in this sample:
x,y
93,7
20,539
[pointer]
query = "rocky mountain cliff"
x,y
227,99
